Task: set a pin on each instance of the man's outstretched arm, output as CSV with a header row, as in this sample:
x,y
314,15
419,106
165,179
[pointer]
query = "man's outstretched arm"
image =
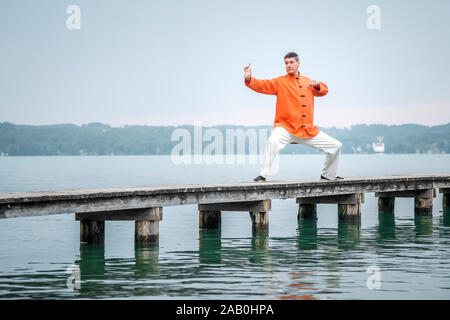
x,y
259,85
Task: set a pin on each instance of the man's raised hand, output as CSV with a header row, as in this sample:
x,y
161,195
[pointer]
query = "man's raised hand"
x,y
315,84
248,72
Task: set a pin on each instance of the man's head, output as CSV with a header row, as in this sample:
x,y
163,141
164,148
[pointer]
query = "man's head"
x,y
292,63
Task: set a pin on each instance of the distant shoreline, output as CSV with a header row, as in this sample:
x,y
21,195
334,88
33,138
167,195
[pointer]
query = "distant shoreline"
x,y
168,155
101,139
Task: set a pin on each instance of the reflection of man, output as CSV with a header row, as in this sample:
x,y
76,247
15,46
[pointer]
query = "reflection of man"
x,y
294,116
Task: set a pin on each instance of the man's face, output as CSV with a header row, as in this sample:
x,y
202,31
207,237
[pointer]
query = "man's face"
x,y
292,65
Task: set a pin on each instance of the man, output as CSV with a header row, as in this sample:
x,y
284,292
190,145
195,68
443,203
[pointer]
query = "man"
x,y
294,116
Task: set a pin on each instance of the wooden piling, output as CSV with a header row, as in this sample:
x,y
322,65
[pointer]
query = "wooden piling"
x,y
348,212
307,208
209,219
445,198
446,201
307,211
92,231
351,211
147,231
423,202
260,220
386,204
92,224
210,213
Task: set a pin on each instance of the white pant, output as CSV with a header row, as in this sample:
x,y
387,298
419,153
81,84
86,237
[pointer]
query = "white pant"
x,y
280,137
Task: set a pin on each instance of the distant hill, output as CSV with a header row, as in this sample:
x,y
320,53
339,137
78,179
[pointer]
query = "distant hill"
x,y
102,139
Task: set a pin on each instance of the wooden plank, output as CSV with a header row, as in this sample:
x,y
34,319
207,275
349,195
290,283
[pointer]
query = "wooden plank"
x,y
391,183
444,190
263,205
148,214
338,199
405,194
55,202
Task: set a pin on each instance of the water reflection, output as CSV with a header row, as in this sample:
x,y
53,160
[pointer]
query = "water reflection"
x,y
446,217
260,247
386,226
146,268
423,224
102,277
260,240
210,246
312,264
307,234
349,234
146,259
299,283
92,268
444,221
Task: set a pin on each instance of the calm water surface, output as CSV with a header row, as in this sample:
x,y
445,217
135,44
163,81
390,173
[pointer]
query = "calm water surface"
x,y
324,259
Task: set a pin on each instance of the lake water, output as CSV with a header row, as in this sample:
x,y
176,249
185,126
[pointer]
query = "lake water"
x,y
325,259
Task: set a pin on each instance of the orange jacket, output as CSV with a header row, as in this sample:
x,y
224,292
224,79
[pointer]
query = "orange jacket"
x,y
295,102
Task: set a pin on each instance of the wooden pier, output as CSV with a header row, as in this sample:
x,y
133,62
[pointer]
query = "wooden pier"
x,y
144,205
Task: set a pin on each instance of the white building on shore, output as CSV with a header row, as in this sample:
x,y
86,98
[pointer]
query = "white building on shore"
x,y
379,145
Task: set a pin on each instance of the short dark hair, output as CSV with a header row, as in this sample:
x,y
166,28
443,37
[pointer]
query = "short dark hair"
x,y
291,55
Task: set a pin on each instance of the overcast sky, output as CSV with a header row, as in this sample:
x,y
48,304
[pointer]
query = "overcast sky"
x,y
181,62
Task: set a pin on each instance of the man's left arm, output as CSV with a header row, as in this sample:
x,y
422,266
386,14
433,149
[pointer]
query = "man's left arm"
x,y
318,88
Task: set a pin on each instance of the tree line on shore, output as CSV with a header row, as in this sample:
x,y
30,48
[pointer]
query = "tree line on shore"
x,y
102,139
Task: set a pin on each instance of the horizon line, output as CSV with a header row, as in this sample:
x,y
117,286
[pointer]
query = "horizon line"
x,y
215,125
